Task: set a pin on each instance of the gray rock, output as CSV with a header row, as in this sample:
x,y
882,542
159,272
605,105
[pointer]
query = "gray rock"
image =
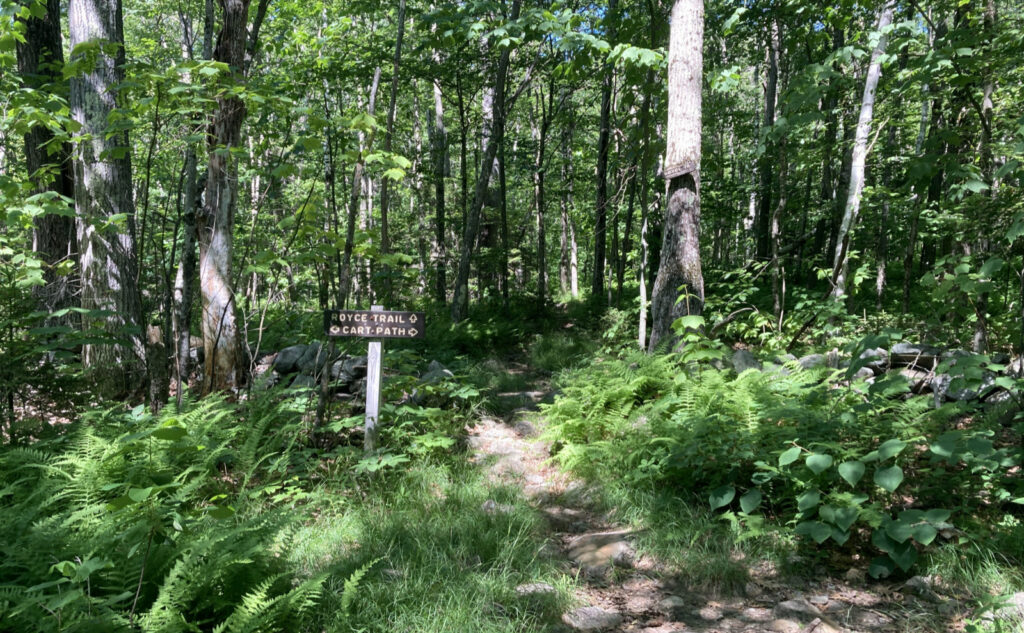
x,y
784,358
907,354
302,381
672,602
338,373
591,619
314,359
922,588
436,372
796,609
286,361
603,550
918,379
812,360
355,366
1013,611
535,590
864,373
743,360
492,507
832,359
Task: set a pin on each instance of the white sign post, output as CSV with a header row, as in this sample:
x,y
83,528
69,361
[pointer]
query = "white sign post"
x,y
373,354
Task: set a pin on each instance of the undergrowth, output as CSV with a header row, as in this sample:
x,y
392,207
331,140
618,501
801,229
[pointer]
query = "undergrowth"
x,y
859,472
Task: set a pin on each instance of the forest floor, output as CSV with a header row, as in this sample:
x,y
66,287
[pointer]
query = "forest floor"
x,y
620,587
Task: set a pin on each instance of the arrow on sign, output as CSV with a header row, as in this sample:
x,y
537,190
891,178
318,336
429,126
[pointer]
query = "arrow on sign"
x,y
414,331
412,319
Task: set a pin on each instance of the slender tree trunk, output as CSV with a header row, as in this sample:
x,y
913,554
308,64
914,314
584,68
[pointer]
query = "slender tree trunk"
x,y
762,224
40,64
439,155
569,257
778,271
103,193
979,340
355,193
460,302
860,151
680,270
385,197
603,144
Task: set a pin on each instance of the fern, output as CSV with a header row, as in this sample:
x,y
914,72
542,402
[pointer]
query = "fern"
x,y
351,586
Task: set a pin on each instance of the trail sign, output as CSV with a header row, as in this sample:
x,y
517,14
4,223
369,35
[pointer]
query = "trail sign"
x,y
374,324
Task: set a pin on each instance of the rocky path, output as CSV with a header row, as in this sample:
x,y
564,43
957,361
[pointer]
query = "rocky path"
x,y
619,590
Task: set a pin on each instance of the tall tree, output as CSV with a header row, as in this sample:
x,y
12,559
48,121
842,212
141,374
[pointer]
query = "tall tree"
x,y
385,190
603,145
860,153
679,271
41,66
103,199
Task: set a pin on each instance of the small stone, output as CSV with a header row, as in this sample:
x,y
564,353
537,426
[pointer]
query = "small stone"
x,y
524,428
819,600
668,603
757,614
603,549
535,590
922,588
591,619
854,575
710,613
752,590
492,507
796,609
783,625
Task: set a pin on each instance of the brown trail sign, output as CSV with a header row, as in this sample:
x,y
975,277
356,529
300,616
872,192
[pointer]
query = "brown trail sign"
x,y
375,323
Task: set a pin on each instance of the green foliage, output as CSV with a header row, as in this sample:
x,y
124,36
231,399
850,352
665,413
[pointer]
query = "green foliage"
x,y
789,448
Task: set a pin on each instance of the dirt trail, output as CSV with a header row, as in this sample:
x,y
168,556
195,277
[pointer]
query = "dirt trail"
x,y
622,591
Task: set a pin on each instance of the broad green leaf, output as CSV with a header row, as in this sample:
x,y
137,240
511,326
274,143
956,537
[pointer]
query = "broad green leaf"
x,y
808,500
899,531
750,500
937,515
817,530
845,517
904,555
924,533
722,496
818,462
840,536
890,448
139,494
789,456
170,433
881,567
889,478
851,471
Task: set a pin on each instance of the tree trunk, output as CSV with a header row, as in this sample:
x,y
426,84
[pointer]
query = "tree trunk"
x,y
345,282
603,144
385,198
103,194
225,356
439,155
860,152
762,223
680,268
569,263
40,64
460,302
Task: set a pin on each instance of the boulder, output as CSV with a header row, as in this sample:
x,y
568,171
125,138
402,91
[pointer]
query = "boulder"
x,y
918,379
314,359
811,361
796,609
338,373
743,360
436,372
287,360
356,366
909,354
877,359
302,381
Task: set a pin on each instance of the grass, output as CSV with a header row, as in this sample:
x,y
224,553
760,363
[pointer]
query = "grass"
x,y
440,562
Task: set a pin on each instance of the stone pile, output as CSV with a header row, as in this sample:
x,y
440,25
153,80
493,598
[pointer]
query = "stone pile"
x,y
919,364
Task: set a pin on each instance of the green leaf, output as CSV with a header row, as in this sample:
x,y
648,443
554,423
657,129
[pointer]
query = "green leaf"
x,y
889,478
899,531
851,471
924,533
789,456
808,500
139,495
845,517
818,462
817,530
750,500
222,512
904,555
937,515
840,536
890,448
170,433
722,496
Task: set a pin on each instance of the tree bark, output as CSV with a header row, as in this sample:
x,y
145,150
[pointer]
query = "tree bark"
x,y
40,64
860,152
680,269
601,218
762,223
460,302
385,198
224,357
439,155
104,205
